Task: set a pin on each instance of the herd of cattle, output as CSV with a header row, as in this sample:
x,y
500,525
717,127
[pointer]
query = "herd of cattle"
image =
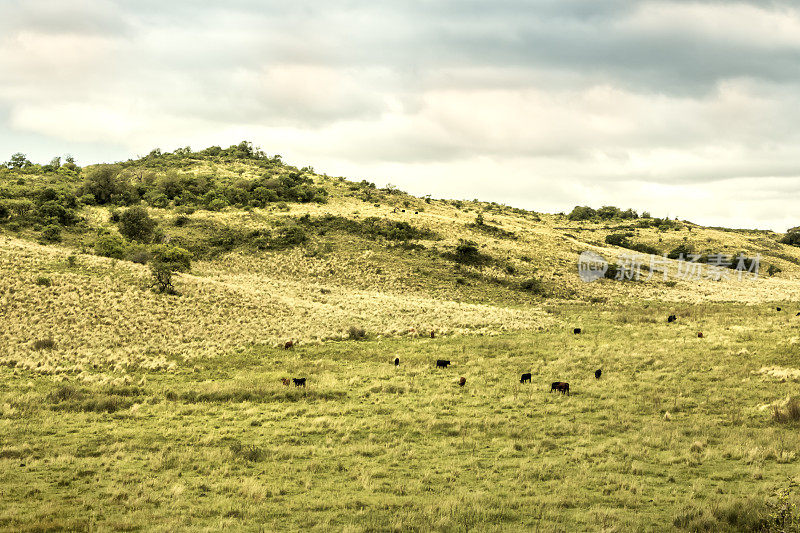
x,y
558,386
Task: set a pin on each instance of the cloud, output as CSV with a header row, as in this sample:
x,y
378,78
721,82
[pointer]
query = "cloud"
x,y
545,104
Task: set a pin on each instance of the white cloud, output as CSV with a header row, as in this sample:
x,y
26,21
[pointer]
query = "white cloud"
x,y
653,105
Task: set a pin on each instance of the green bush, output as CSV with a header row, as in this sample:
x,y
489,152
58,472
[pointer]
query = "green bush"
x,y
165,262
582,213
176,258
681,249
534,286
135,224
111,245
52,233
44,281
107,184
792,238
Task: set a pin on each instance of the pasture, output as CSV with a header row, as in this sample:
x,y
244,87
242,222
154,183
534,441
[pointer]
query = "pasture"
x,y
679,433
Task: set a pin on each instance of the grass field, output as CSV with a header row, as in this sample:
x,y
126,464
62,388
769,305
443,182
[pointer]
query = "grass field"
x,y
126,409
679,433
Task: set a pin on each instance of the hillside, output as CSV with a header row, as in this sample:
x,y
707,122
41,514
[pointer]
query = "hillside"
x,y
284,253
132,405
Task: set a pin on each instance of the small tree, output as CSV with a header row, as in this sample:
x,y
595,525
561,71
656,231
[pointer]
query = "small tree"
x,y
166,261
19,161
105,183
135,224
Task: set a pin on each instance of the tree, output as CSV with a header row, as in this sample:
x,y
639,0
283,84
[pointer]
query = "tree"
x,y
19,161
582,213
105,183
135,224
166,261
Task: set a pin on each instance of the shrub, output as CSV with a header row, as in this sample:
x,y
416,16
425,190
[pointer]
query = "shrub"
x,y
534,286
140,255
177,259
106,184
792,238
289,236
787,413
582,213
772,270
135,224
52,233
5,212
43,281
44,344
681,250
618,239
217,204
110,245
53,212
356,333
157,199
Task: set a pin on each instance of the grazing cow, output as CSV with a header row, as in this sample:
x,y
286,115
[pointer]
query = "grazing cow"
x,y
576,331
289,345
299,382
699,334
396,361
560,386
462,381
285,382
672,318
433,334
798,314
442,363
598,373
777,308
526,378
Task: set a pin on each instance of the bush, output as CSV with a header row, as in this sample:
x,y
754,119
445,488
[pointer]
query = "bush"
x,y
288,237
217,204
787,413
43,281
140,255
356,333
53,212
106,184
135,224
110,245
177,259
44,344
534,286
681,250
52,233
792,238
582,213
618,239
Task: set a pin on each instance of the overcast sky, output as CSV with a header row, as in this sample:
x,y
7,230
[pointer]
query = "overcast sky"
x,y
681,108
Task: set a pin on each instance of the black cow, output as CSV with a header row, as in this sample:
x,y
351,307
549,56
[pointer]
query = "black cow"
x,y
396,361
442,363
576,331
560,386
598,373
777,308
526,378
299,382
672,318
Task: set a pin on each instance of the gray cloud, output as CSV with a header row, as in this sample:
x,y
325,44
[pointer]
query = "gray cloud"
x,y
592,94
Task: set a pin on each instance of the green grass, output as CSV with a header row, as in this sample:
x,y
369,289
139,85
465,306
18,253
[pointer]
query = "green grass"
x,y
677,434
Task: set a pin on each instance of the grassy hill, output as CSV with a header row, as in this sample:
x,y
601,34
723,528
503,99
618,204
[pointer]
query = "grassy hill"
x,y
125,408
